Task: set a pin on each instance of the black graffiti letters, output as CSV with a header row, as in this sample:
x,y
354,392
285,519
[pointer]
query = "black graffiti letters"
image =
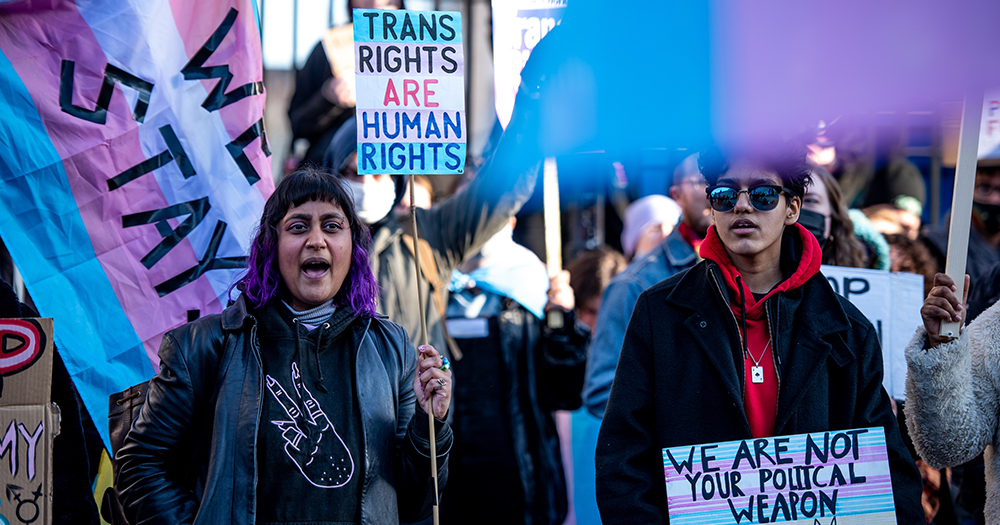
x,y
236,147
175,152
99,115
196,70
195,210
207,263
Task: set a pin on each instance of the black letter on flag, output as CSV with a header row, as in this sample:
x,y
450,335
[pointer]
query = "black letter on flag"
x,y
236,147
175,151
207,263
99,115
195,210
195,70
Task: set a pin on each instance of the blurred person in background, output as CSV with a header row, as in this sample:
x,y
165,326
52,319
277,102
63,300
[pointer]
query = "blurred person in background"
x,y
868,162
677,252
648,221
423,197
826,217
986,293
890,218
506,464
876,248
321,102
590,274
910,256
984,236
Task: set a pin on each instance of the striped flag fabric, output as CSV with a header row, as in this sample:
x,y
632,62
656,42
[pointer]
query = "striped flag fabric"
x,y
133,171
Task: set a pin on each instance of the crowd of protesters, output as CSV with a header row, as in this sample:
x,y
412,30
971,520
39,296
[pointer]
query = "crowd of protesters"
x,y
307,399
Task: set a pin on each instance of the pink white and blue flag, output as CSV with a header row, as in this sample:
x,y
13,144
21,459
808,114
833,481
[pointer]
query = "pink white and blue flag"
x,y
133,170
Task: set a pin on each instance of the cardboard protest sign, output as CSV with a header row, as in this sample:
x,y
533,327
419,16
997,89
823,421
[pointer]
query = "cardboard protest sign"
x,y
518,26
338,44
134,171
410,70
28,421
892,302
836,477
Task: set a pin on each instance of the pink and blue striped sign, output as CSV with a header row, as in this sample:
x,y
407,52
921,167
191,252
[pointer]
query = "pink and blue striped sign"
x,y
410,70
839,477
133,172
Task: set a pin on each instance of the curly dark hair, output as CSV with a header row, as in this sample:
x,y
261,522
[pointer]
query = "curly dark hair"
x,y
786,158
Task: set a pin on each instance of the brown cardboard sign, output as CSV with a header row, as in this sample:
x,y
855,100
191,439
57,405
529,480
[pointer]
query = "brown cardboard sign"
x,y
28,421
25,361
26,447
338,43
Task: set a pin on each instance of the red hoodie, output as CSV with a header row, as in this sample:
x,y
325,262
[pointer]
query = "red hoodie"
x,y
760,400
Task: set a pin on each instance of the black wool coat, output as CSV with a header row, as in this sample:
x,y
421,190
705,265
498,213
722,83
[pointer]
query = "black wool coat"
x,y
680,382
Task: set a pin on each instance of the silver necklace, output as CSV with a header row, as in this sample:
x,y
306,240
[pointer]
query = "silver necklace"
x,y
757,371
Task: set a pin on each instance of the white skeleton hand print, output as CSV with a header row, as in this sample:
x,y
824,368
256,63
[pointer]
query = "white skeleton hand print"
x,y
310,439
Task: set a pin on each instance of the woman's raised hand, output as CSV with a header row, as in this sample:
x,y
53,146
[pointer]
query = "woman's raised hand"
x,y
942,305
433,381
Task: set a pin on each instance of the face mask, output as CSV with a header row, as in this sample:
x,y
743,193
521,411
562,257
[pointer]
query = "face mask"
x,y
815,223
989,214
372,201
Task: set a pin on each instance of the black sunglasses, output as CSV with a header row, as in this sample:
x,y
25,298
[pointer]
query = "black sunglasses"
x,y
763,198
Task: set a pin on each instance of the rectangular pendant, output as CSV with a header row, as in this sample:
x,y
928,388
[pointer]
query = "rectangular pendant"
x,y
756,374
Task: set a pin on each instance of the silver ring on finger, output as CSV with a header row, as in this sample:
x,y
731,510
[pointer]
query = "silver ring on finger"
x,y
442,382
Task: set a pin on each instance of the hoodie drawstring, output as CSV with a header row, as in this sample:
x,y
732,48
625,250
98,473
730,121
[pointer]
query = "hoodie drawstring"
x,y
319,367
743,315
298,351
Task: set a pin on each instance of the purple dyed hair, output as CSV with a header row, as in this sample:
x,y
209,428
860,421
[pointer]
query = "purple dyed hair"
x,y
262,280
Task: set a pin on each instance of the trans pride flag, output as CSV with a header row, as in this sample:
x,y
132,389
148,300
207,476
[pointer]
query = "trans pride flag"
x,y
133,169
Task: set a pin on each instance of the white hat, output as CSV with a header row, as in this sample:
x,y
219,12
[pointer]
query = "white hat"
x,y
645,212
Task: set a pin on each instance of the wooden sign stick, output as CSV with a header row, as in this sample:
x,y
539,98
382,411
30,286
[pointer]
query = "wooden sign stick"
x,y
423,341
553,231
961,203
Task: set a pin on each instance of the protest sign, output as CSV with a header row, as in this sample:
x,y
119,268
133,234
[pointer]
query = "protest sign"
x,y
989,131
518,26
891,301
29,423
134,173
338,44
410,70
836,477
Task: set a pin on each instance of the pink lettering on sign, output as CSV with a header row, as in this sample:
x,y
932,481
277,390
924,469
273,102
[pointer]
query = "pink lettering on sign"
x,y
390,94
410,89
428,92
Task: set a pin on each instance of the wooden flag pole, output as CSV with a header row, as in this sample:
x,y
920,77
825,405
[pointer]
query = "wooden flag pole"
x,y
423,341
553,232
961,203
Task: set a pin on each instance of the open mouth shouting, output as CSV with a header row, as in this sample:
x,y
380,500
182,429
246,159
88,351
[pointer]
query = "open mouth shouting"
x,y
315,268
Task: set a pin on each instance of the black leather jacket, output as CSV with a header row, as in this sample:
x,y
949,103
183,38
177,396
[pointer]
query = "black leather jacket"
x,y
190,456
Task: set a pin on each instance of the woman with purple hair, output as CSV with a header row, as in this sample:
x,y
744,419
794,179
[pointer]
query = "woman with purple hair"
x,y
297,404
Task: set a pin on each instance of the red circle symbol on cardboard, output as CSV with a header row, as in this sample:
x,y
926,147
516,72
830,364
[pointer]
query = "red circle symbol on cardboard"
x,y
21,344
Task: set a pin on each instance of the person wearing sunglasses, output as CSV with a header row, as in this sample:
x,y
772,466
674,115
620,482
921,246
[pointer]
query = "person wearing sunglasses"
x,y
749,343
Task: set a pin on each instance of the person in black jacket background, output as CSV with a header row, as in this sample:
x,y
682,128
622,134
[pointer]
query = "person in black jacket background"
x,y
751,342
516,371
